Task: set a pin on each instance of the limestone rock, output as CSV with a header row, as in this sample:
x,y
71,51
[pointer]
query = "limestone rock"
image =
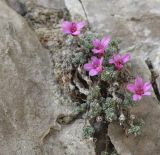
x,y
17,6
69,141
149,110
52,4
30,98
76,9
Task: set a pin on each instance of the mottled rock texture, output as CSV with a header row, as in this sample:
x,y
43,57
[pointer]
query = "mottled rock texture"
x,y
18,5
69,141
30,99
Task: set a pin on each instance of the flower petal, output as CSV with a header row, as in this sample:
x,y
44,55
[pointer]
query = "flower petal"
x,y
95,51
88,66
80,25
94,60
147,93
117,57
96,42
131,88
99,69
118,66
139,81
105,41
101,61
136,97
125,58
147,86
76,33
111,61
66,25
93,72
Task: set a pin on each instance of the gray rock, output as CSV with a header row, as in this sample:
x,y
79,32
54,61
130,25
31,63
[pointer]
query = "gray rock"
x,y
30,98
55,4
149,110
135,22
76,9
17,6
69,141
21,5
138,66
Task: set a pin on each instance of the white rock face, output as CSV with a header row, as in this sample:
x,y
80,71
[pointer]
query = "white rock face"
x,y
30,99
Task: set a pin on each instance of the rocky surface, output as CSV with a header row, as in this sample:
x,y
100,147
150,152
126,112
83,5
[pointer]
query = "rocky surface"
x,y
54,4
69,141
31,101
149,110
36,116
76,9
21,5
17,6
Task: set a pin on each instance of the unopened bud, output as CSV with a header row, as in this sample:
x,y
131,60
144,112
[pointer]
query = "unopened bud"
x,y
99,119
122,118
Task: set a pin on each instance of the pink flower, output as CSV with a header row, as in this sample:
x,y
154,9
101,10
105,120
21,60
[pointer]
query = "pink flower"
x,y
94,66
139,88
100,45
119,60
72,28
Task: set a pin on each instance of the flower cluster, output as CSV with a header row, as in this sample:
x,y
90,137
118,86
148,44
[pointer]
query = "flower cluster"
x,y
99,50
100,80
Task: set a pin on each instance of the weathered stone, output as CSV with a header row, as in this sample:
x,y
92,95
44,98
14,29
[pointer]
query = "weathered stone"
x,y
21,5
55,4
17,6
76,9
136,23
69,141
30,98
149,110
138,66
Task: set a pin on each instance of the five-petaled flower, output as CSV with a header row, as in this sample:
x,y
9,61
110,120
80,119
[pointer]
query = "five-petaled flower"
x,y
100,45
139,88
72,28
94,66
119,60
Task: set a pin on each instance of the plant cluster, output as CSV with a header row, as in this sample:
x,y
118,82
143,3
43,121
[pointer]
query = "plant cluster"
x,y
111,95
